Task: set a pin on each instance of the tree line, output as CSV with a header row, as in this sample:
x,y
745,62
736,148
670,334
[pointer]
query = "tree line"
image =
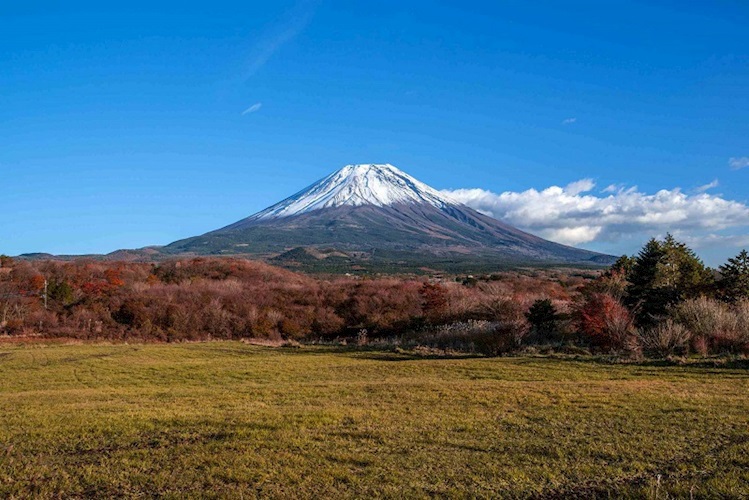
x,y
662,301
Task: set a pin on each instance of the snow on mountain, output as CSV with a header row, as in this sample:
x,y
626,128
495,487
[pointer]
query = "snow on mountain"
x,y
356,185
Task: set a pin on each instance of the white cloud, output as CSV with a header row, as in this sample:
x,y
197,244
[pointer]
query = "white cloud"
x,y
738,162
253,108
293,24
569,121
708,186
712,240
574,216
581,186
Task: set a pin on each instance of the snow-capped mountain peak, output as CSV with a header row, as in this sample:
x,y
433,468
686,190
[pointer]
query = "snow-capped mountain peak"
x,y
356,185
369,208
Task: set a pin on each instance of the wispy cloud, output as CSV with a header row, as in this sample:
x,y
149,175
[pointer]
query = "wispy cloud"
x,y
581,186
253,108
738,162
569,121
705,187
286,30
574,215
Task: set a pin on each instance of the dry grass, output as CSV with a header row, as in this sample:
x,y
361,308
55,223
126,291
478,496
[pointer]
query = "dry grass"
x,y
227,419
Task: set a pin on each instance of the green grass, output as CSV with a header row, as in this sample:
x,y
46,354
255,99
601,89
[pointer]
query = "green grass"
x,y
227,419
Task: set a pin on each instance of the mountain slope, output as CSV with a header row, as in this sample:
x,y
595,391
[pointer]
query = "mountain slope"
x,y
371,208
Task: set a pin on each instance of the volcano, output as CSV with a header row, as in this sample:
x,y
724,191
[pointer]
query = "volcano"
x,y
379,210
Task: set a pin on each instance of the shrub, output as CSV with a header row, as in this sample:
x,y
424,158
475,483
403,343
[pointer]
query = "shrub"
x,y
230,298
509,334
480,336
665,339
605,323
715,326
741,310
13,326
704,317
502,309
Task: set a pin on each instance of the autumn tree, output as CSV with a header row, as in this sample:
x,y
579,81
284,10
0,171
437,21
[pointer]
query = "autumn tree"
x,y
433,300
605,322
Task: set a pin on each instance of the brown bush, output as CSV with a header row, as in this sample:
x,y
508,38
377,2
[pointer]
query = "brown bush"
x,y
480,336
13,326
665,339
715,326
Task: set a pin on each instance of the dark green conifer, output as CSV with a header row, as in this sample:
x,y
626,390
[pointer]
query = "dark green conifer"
x,y
734,278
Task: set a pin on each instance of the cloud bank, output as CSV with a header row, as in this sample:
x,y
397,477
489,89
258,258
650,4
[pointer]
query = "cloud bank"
x,y
574,215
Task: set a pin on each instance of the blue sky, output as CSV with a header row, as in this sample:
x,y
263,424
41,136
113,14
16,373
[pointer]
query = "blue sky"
x,y
126,126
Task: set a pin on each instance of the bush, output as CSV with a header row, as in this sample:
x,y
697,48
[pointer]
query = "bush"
x,y
665,339
480,336
714,325
704,317
13,326
605,323
741,310
710,322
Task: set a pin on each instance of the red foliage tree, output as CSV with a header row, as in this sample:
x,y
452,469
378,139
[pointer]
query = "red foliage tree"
x,y
433,300
605,322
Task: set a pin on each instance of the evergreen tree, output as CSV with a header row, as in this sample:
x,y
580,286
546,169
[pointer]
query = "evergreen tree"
x,y
643,296
734,281
622,266
60,291
683,271
664,273
543,317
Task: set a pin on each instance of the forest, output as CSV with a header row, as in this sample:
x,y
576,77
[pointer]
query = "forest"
x,y
661,302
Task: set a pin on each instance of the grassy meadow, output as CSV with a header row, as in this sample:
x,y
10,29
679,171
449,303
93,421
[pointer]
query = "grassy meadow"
x,y
227,419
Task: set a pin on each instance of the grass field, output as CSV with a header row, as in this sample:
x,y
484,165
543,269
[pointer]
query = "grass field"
x,y
228,419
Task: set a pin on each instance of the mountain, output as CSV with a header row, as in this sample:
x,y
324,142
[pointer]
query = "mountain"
x,y
378,211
